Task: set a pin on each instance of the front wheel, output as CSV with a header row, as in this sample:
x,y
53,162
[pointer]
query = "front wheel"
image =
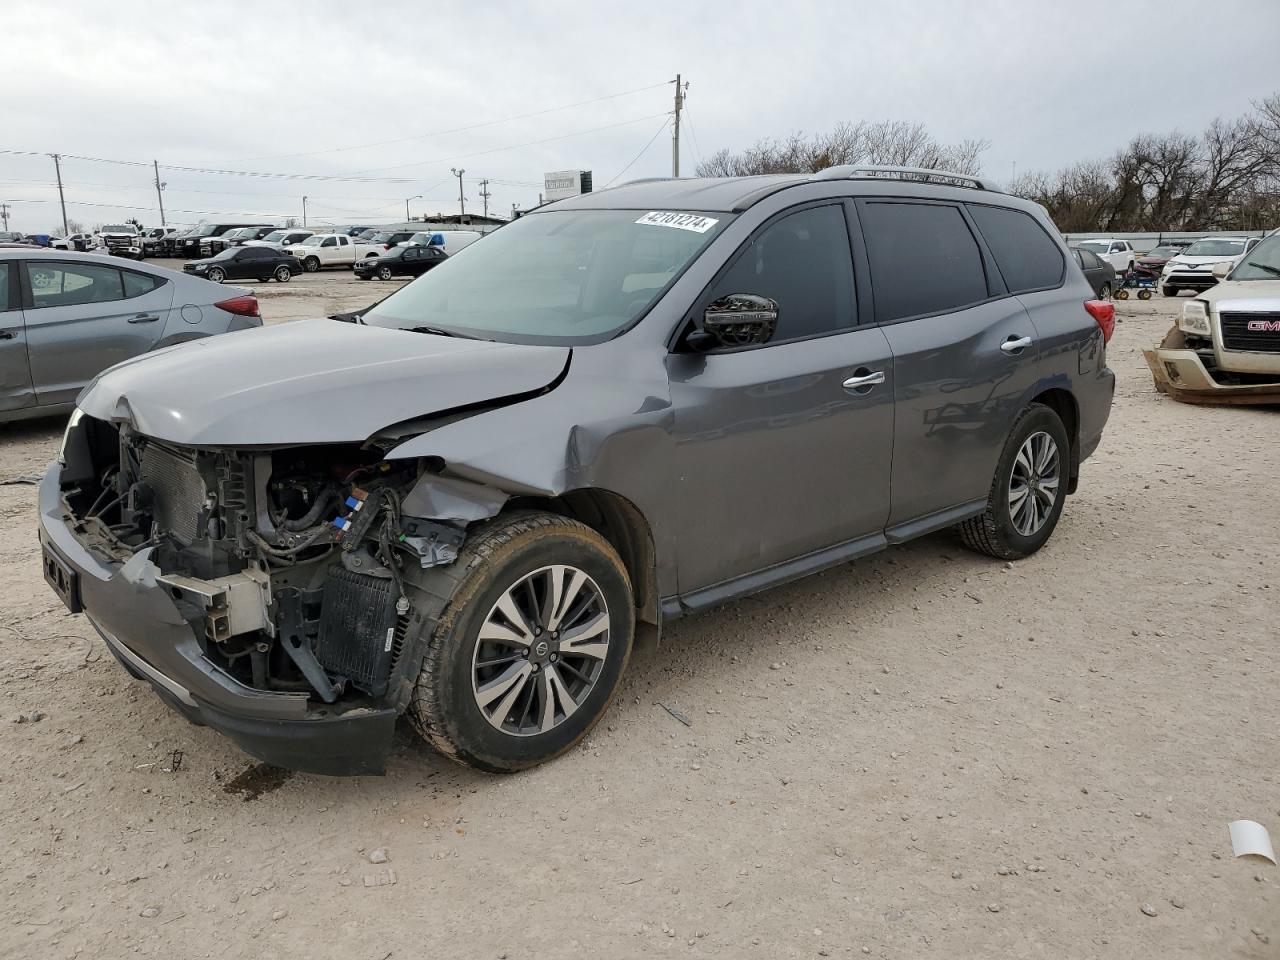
x,y
1170,291
384,273
536,629
311,264
283,274
217,275
1028,491
1144,294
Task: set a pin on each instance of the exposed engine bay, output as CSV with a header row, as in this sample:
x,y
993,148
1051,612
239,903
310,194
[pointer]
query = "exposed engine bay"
x,y
292,566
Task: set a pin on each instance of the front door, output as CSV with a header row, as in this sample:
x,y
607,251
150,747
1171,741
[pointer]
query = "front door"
x,y
15,374
85,317
964,354
776,457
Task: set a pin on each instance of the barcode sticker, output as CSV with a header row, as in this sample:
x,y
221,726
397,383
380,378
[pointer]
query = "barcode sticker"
x,y
681,221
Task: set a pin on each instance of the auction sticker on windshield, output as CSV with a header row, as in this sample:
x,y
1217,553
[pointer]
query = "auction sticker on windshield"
x,y
681,221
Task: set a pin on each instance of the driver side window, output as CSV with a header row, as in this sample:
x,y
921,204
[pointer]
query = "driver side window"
x,y
802,262
329,242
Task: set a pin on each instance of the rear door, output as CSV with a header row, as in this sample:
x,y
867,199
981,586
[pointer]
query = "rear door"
x,y
83,317
16,391
963,354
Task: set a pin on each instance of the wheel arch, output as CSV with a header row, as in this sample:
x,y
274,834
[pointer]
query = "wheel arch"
x,y
1063,403
621,523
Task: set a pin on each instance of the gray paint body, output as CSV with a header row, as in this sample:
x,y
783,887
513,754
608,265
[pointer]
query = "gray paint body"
x,y
48,354
750,467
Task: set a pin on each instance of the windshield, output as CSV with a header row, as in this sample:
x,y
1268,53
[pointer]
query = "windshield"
x,y
561,277
275,236
1165,252
119,228
311,241
1262,263
1215,248
207,230
226,254
1097,246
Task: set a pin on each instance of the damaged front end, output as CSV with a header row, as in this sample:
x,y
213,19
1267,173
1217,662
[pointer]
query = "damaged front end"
x,y
1184,366
267,593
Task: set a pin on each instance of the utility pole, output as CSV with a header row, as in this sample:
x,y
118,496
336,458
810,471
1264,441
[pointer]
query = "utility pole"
x,y
675,129
485,194
304,211
159,190
61,199
4,215
462,201
406,205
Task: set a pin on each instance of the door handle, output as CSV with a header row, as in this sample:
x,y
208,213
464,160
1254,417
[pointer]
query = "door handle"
x,y
6,334
864,379
144,318
1015,344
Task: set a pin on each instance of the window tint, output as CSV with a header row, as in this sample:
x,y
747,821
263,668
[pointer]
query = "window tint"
x,y
1091,260
1027,257
5,287
329,242
255,253
65,284
803,263
136,284
923,259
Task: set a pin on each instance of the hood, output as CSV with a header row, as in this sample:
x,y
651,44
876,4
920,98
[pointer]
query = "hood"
x,y
312,381
1184,260
1247,296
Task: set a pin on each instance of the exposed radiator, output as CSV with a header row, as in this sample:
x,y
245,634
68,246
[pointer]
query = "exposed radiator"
x,y
360,637
178,488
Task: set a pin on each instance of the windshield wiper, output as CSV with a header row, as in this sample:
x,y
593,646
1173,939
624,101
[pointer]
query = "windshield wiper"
x,y
1275,271
440,332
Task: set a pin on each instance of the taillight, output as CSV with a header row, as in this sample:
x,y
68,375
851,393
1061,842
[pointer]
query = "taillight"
x,y
240,306
1104,314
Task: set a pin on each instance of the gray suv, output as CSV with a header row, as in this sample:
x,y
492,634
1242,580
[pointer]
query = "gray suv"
x,y
619,409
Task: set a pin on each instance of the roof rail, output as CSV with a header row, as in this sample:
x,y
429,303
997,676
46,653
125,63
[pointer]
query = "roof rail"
x,y
852,171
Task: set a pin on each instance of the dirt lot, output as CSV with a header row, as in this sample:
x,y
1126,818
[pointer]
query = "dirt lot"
x,y
926,753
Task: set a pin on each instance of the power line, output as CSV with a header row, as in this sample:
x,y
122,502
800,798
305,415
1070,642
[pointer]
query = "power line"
x,y
665,121
473,126
697,151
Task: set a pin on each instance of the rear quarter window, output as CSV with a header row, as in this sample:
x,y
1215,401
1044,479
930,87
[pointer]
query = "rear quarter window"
x,y
1025,254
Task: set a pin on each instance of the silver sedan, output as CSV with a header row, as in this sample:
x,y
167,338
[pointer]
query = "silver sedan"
x,y
65,317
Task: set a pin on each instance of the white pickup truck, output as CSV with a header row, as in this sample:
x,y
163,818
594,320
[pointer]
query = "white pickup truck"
x,y
332,250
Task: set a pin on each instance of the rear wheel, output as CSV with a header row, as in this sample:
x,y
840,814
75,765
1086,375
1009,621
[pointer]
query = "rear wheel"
x,y
1105,293
311,264
535,632
1028,491
283,274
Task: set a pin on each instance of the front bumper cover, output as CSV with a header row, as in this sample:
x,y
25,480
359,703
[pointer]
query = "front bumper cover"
x,y
144,631
1181,374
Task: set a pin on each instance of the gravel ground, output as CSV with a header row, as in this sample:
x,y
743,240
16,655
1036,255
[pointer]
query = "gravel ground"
x,y
925,753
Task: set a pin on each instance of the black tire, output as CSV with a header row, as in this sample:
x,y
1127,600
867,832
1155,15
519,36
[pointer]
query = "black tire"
x,y
311,264
217,275
993,532
283,274
384,273
1144,294
494,558
1104,292
1170,291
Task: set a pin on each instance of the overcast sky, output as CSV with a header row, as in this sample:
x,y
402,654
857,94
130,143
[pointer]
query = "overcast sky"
x,y
291,88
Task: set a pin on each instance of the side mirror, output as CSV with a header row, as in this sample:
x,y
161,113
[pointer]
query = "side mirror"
x,y
1220,270
736,320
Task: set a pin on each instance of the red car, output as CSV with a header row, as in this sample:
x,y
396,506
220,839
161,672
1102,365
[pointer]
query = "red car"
x,y
1153,261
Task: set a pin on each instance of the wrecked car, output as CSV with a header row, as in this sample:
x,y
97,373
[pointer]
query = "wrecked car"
x,y
618,410
1225,346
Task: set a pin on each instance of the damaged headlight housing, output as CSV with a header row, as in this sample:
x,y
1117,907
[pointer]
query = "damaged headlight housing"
x,y
1195,318
72,422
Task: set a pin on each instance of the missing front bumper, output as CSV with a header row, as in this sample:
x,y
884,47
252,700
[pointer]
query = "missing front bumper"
x,y
1182,375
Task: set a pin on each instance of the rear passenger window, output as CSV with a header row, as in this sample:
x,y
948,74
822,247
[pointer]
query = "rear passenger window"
x,y
803,263
136,284
923,259
55,284
1027,257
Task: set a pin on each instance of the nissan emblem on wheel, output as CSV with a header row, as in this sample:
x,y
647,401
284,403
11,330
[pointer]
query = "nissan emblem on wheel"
x,y
460,505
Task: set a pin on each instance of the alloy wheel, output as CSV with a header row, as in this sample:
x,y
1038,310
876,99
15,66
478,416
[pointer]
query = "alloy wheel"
x,y
540,651
1034,483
